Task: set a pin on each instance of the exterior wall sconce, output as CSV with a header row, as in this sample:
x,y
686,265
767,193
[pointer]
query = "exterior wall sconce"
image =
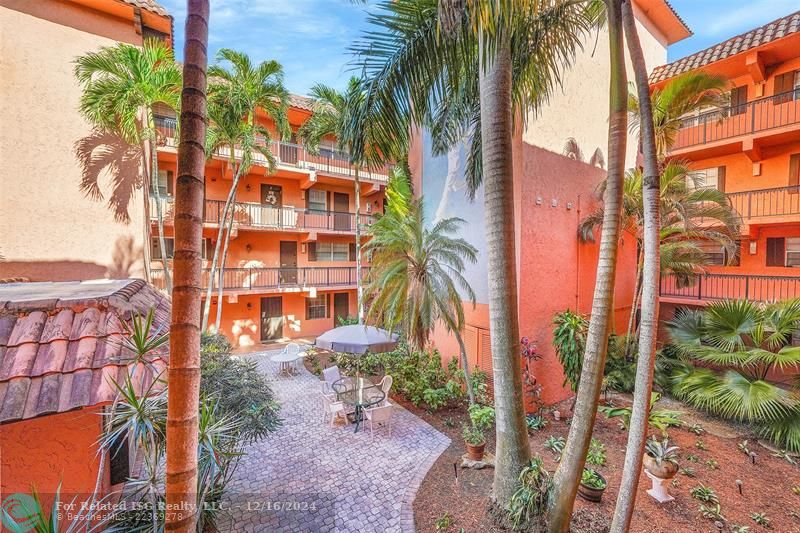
x,y
247,187
753,247
538,200
569,206
553,203
249,306
302,247
248,247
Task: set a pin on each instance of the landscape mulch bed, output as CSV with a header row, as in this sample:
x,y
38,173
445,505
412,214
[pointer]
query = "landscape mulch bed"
x,y
767,485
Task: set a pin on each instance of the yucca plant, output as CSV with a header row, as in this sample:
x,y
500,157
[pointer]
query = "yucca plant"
x,y
733,346
661,451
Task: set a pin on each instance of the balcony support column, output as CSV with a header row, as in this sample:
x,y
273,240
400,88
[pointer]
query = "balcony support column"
x,y
752,149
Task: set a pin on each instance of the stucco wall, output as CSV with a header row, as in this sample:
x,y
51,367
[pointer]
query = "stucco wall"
x,y
50,229
580,109
49,450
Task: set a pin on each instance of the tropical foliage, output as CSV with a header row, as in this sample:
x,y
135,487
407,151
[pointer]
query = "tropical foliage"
x,y
121,85
527,505
660,419
239,88
730,350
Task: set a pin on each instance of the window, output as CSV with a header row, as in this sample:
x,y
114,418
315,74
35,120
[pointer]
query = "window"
x,y
119,460
326,251
703,179
787,87
165,183
169,243
317,307
793,252
317,200
739,100
715,252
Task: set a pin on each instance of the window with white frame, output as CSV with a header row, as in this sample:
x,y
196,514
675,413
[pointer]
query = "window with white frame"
x,y
793,252
337,251
317,200
317,307
707,178
715,252
164,186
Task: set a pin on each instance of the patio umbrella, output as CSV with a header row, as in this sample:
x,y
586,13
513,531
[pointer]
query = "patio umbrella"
x,y
357,339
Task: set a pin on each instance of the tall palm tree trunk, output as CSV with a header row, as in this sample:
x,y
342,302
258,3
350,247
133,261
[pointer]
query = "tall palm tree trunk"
x,y
224,257
184,340
512,450
222,221
637,433
568,474
465,363
153,154
359,285
637,291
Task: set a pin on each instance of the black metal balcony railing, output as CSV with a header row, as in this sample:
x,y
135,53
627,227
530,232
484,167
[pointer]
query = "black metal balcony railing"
x,y
780,201
288,154
254,279
732,286
261,216
758,115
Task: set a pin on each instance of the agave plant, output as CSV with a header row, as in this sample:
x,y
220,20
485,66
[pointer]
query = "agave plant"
x,y
732,347
661,451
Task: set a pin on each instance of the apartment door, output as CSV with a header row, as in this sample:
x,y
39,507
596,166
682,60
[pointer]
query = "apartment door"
x,y
271,318
341,208
341,306
271,201
288,263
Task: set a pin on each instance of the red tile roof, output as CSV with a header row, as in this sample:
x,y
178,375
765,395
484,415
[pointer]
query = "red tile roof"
x,y
149,5
735,45
301,102
60,343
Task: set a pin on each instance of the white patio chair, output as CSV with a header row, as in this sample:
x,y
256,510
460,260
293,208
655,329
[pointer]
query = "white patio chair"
x,y
332,408
386,386
331,375
379,416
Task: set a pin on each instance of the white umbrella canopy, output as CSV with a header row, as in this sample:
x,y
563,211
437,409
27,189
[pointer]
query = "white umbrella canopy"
x,y
357,339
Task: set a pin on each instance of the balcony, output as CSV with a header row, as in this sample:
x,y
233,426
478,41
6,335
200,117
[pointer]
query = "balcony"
x,y
708,287
763,117
287,155
256,280
265,217
781,204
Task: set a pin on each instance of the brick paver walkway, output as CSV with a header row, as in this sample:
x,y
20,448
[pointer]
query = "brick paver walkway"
x,y
328,479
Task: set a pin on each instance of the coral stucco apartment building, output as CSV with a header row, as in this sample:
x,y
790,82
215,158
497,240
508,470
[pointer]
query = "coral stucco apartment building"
x,y
558,163
291,262
751,151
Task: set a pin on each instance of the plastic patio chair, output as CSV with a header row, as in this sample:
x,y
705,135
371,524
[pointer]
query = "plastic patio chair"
x,y
379,416
332,408
331,375
386,386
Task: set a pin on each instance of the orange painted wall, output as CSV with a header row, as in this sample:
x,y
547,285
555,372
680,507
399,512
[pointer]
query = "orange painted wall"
x,y
241,324
49,450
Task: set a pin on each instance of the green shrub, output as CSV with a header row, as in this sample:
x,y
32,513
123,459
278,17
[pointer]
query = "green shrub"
x,y
482,416
555,444
528,503
597,453
420,377
660,419
535,422
704,494
592,479
569,340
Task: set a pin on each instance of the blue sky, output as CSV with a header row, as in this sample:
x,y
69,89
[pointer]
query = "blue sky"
x,y
311,37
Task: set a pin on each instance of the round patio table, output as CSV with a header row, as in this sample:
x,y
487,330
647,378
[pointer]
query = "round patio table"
x,y
360,393
285,360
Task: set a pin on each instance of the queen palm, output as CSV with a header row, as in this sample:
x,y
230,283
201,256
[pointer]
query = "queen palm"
x,y
731,349
682,95
468,81
236,95
416,275
184,338
121,85
342,116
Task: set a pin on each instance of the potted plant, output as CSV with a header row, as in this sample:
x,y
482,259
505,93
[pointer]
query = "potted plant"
x,y
475,441
592,486
660,458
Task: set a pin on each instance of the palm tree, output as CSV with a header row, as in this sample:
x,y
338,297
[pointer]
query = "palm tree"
x,y
344,116
568,474
121,84
731,348
184,339
651,274
416,275
468,81
688,214
684,94
235,95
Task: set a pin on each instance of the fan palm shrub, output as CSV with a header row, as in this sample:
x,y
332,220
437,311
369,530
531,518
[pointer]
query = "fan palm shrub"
x,y
731,349
121,85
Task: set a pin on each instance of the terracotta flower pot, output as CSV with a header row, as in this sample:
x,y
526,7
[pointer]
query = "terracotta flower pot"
x,y
475,451
591,494
665,470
